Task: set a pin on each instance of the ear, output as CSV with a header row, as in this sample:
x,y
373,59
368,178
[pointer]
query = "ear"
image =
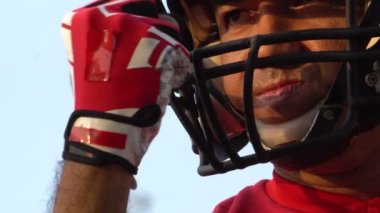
x,y
199,19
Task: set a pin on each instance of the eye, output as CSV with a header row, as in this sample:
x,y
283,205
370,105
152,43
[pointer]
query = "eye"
x,y
237,17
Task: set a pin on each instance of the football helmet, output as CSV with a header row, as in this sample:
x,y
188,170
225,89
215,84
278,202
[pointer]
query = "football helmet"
x,y
227,138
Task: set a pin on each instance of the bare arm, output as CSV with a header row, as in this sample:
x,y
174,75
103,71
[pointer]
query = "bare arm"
x,y
120,96
85,188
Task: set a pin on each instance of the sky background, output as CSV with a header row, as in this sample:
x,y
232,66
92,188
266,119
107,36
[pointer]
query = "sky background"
x,y
36,101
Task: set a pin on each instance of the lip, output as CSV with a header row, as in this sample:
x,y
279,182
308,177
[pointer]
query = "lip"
x,y
276,93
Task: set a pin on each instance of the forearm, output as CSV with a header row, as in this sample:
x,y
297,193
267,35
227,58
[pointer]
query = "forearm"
x,y
85,188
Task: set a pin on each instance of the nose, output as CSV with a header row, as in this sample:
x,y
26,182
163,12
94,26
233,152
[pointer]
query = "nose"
x,y
280,49
274,20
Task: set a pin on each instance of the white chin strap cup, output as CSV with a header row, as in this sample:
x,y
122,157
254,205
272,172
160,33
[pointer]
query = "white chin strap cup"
x,y
297,129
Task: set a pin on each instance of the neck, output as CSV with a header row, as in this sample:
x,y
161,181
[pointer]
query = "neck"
x,y
362,188
355,172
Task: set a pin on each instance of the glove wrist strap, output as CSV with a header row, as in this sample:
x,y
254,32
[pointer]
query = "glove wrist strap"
x,y
82,153
78,149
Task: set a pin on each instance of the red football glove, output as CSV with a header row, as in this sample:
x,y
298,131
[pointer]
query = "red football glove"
x,y
123,72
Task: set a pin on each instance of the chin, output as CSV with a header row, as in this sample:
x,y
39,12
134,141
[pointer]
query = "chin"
x,y
274,135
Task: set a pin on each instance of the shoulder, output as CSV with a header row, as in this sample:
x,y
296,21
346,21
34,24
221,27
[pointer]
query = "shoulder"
x,y
246,198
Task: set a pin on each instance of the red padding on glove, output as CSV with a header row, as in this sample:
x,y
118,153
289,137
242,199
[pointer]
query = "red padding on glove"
x,y
97,137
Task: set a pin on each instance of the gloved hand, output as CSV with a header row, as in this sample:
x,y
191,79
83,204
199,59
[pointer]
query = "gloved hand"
x,y
124,68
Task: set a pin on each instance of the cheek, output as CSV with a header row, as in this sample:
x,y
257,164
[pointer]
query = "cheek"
x,y
328,70
233,87
329,73
233,84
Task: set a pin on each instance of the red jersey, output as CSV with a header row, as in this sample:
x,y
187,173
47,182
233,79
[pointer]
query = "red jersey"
x,y
283,196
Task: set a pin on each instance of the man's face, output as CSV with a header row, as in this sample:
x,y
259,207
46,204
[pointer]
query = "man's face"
x,y
281,93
